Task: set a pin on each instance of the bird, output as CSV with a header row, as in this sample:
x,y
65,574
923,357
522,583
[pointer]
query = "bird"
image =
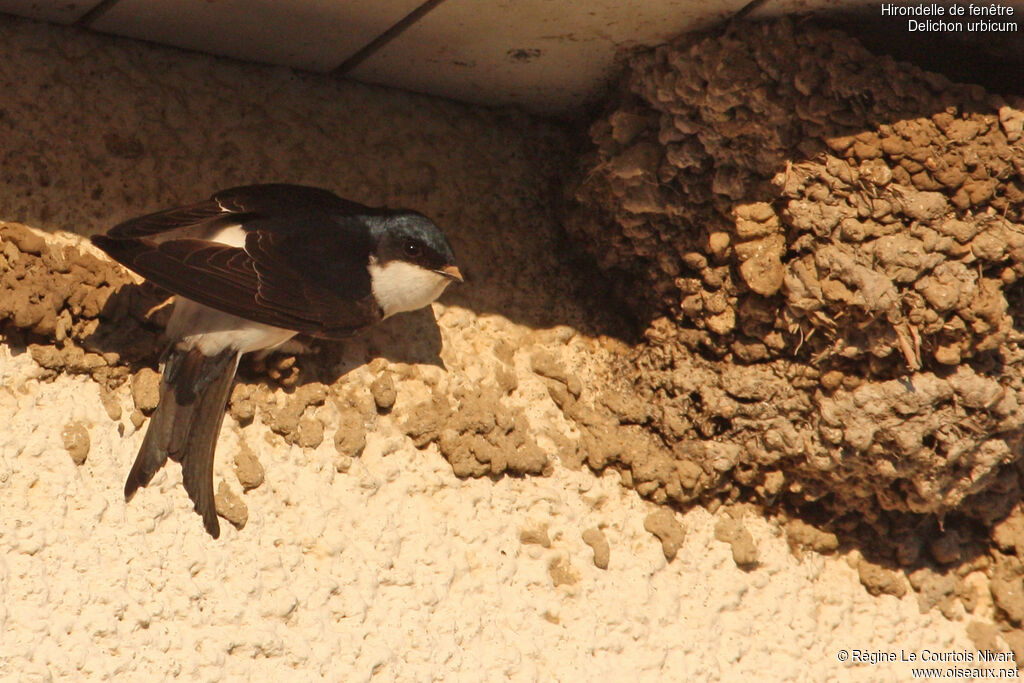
x,y
250,268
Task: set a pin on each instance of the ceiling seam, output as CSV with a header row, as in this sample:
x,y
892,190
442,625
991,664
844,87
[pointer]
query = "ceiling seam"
x,y
383,39
97,11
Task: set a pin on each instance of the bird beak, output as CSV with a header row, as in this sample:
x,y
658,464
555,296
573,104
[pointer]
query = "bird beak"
x,y
451,272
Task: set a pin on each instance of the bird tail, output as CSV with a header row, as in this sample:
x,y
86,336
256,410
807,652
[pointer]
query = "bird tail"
x,y
193,392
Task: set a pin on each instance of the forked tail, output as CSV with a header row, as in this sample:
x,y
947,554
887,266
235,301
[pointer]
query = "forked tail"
x,y
193,392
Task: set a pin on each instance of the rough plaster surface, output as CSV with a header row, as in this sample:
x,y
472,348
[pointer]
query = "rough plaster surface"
x,y
381,564
394,570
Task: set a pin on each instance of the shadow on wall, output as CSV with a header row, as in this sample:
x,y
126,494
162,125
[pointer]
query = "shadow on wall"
x,y
990,54
712,200
99,129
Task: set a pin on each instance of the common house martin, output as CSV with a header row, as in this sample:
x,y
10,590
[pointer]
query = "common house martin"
x,y
250,268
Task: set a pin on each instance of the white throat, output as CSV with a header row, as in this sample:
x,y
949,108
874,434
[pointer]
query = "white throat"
x,y
399,286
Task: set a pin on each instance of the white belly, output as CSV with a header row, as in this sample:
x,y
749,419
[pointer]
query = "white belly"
x,y
212,331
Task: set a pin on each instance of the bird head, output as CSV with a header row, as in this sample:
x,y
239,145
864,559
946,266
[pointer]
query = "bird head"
x,y
411,262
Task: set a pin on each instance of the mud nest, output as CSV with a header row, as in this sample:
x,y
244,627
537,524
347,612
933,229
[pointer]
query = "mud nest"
x,y
828,246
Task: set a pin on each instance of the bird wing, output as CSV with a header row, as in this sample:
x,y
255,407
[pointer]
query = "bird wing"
x,y
303,265
235,206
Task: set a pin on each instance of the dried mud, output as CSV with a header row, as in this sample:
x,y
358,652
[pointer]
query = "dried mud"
x,y
824,249
828,245
58,295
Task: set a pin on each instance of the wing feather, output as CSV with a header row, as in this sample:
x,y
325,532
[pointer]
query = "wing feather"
x,y
293,272
152,224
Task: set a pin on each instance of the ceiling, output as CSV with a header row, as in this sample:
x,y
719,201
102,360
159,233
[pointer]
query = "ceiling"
x,y
548,56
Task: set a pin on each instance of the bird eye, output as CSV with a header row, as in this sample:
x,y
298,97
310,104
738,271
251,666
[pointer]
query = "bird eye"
x,y
411,249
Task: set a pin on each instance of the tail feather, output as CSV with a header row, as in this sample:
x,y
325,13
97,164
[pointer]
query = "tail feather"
x,y
154,450
193,392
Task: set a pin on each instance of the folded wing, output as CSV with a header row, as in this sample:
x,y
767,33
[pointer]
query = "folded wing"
x,y
277,278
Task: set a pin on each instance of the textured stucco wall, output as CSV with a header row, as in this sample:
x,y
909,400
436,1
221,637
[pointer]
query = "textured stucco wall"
x,y
387,566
